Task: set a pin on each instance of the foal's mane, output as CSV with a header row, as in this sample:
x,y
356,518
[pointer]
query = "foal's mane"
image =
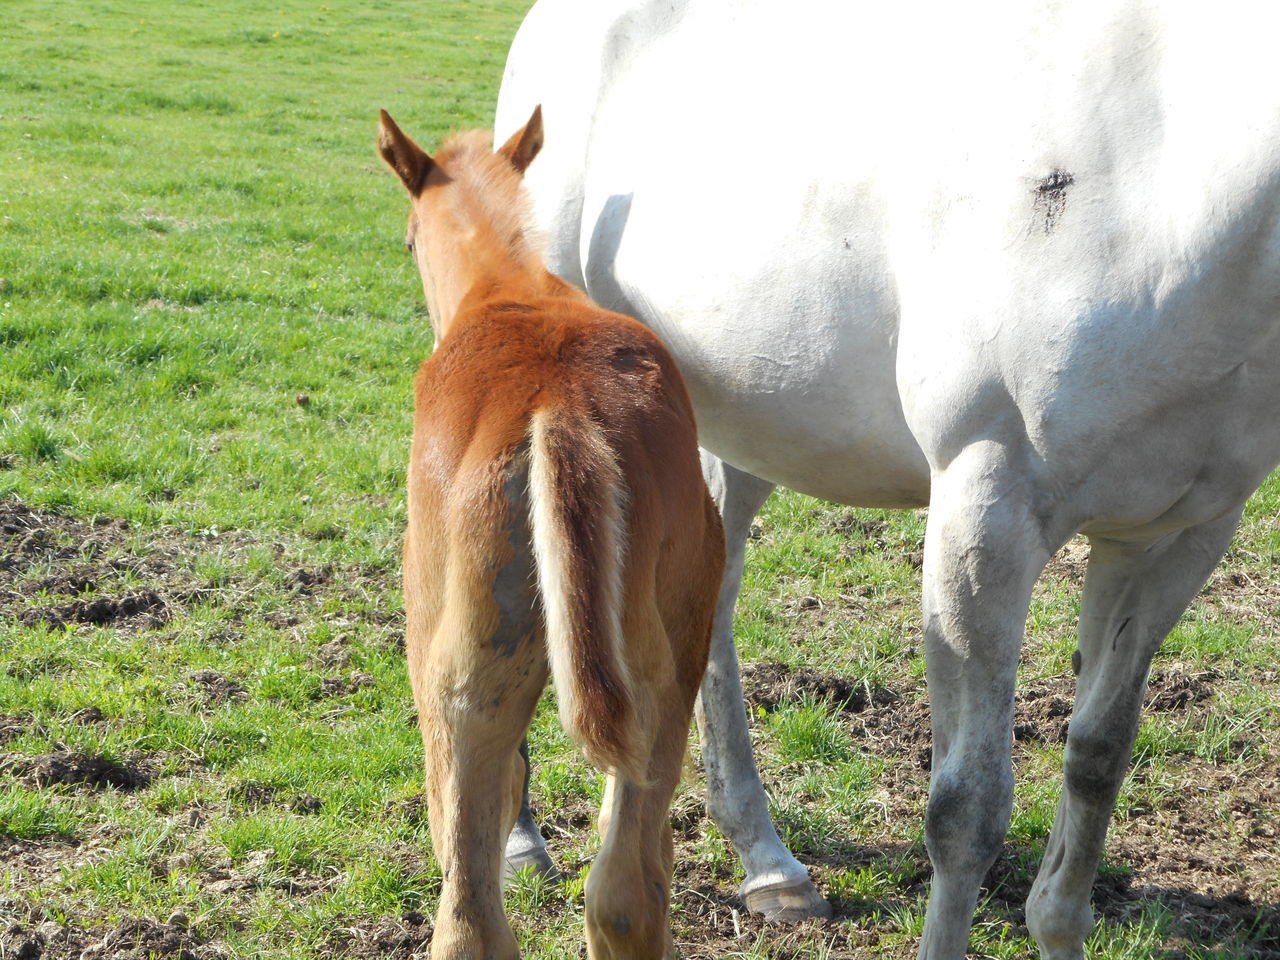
x,y
491,193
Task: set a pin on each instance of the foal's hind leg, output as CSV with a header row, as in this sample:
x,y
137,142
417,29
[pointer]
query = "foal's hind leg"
x,y
629,887
475,700
777,884
1133,595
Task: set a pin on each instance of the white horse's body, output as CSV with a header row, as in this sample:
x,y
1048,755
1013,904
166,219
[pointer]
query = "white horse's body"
x,y
1022,265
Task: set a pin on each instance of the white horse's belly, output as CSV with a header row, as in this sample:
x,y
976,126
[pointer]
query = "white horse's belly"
x,y
833,435
812,445
785,336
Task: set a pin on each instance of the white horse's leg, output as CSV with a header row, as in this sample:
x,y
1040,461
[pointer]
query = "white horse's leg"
x,y
1134,593
984,548
777,884
526,849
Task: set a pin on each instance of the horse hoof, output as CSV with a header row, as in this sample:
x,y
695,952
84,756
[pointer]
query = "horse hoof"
x,y
789,901
535,862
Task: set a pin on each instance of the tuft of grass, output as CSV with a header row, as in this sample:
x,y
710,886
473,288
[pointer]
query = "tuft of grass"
x,y
27,815
807,732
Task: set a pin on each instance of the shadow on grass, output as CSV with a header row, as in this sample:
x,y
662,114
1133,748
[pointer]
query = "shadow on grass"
x,y
1185,921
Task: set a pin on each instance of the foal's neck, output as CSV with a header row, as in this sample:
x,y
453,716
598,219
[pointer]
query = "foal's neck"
x,y
482,249
479,270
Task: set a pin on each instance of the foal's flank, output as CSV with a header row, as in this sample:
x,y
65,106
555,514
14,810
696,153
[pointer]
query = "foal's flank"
x,y
558,523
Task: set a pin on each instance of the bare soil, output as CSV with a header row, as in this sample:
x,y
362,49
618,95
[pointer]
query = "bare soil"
x,y
70,768
27,934
63,570
210,688
59,570
393,937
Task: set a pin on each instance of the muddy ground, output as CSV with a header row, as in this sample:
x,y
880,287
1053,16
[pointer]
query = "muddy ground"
x,y
1210,853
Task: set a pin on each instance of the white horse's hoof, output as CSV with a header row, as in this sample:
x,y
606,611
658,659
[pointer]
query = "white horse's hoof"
x,y
788,901
532,862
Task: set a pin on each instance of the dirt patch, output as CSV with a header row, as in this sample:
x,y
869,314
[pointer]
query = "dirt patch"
x,y
306,580
73,769
139,610
28,537
892,723
565,819
851,524
1216,834
255,793
65,571
1207,851
1246,589
1207,854
13,726
709,920
306,803
402,936
1070,562
90,714
766,685
34,942
1174,689
1042,712
214,689
147,938
333,654
881,721
40,938
411,809
46,554
345,686
867,535
225,881
710,923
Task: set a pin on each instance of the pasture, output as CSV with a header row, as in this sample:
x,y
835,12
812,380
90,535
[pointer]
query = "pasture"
x,y
207,750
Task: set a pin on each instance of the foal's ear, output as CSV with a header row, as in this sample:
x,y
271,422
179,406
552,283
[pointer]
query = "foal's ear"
x,y
525,142
406,158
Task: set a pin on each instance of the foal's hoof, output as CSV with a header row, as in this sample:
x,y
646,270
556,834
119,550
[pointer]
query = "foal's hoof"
x,y
535,862
788,901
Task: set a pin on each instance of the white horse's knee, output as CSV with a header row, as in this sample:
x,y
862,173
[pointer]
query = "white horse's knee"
x,y
967,817
1095,764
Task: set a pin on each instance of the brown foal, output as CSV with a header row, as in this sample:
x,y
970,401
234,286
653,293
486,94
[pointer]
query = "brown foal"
x,y
558,521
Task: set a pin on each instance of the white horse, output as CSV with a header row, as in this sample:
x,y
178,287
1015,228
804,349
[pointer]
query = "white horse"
x,y
1020,264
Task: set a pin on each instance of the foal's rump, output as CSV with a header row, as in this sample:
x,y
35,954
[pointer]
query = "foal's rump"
x,y
576,464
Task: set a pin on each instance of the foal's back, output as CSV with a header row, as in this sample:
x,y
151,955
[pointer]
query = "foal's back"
x,y
508,359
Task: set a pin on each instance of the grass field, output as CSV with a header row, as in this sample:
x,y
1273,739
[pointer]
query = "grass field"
x,y
208,329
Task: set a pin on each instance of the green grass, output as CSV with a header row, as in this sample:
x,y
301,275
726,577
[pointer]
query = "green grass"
x,y
195,228
208,330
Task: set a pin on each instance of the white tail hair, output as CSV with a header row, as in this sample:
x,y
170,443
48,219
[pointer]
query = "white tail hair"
x,y
578,507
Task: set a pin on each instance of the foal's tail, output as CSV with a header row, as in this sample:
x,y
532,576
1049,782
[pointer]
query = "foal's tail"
x,y
579,540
